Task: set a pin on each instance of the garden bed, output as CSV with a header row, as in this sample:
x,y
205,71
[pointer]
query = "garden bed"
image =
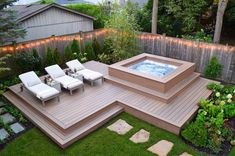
x,y
213,129
12,123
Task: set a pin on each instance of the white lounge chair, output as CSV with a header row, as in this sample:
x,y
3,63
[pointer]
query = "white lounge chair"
x,y
66,81
88,75
34,85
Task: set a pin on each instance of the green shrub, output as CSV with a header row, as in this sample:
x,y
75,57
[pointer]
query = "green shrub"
x,y
68,54
200,36
75,47
229,111
57,57
96,47
196,133
213,68
211,117
49,60
38,64
27,61
89,51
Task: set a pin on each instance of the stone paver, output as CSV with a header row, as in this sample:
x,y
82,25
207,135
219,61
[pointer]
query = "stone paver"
x,y
17,127
140,137
185,154
3,134
7,118
162,148
2,110
120,126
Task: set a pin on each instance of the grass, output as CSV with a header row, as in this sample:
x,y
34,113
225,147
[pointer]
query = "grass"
x,y
101,142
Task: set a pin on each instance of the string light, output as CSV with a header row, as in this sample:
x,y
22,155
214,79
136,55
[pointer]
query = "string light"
x,y
192,44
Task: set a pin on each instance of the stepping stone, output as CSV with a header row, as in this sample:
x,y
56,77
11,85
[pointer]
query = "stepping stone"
x,y
7,118
140,137
185,154
16,127
2,110
120,126
162,148
3,134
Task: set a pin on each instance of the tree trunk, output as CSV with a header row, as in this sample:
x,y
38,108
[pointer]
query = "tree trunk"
x,y
154,16
219,20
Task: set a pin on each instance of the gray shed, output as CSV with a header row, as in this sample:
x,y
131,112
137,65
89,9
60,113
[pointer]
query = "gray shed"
x,y
45,20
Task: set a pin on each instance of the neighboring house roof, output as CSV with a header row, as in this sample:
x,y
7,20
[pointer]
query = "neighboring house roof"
x,y
64,2
26,11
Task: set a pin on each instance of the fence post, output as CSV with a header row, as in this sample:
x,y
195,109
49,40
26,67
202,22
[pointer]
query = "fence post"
x,y
81,41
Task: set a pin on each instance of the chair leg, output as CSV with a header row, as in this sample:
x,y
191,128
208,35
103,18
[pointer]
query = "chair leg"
x,y
43,102
58,99
92,83
83,88
71,92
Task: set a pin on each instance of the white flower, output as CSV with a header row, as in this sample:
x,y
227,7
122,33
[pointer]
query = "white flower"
x,y
229,96
234,91
217,94
222,102
229,100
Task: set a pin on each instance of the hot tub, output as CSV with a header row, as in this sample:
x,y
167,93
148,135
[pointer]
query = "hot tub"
x,y
151,71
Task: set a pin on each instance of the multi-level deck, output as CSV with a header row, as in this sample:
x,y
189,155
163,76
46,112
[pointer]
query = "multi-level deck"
x,y
77,115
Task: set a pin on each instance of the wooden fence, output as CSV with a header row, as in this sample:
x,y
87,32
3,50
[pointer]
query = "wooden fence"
x,y
192,51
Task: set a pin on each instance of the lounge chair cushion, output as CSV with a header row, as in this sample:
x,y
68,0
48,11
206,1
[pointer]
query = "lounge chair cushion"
x,y
90,75
43,91
75,65
55,71
69,82
29,79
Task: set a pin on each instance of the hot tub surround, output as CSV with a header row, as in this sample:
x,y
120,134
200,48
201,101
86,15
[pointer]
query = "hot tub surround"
x,y
163,84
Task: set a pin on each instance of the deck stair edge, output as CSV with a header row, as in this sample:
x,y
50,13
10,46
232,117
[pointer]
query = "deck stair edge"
x,y
73,124
61,138
163,97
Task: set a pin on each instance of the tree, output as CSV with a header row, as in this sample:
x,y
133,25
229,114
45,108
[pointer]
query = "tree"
x,y
219,20
49,60
123,30
68,54
57,57
75,48
9,28
154,16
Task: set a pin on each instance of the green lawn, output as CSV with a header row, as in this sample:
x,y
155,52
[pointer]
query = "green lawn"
x,y
100,142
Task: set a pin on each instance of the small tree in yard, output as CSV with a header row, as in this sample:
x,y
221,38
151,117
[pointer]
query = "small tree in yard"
x,y
68,54
123,29
90,54
75,48
213,68
49,60
57,57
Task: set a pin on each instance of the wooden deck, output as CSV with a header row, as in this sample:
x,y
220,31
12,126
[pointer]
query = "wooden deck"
x,y
76,116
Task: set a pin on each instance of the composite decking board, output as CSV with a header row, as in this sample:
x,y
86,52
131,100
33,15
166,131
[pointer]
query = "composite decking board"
x,y
180,101
35,103
197,94
54,133
74,111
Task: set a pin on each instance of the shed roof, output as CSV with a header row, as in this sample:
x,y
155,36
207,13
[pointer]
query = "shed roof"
x,y
26,11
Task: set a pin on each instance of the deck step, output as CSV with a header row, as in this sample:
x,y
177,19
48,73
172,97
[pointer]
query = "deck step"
x,y
65,128
61,138
163,97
